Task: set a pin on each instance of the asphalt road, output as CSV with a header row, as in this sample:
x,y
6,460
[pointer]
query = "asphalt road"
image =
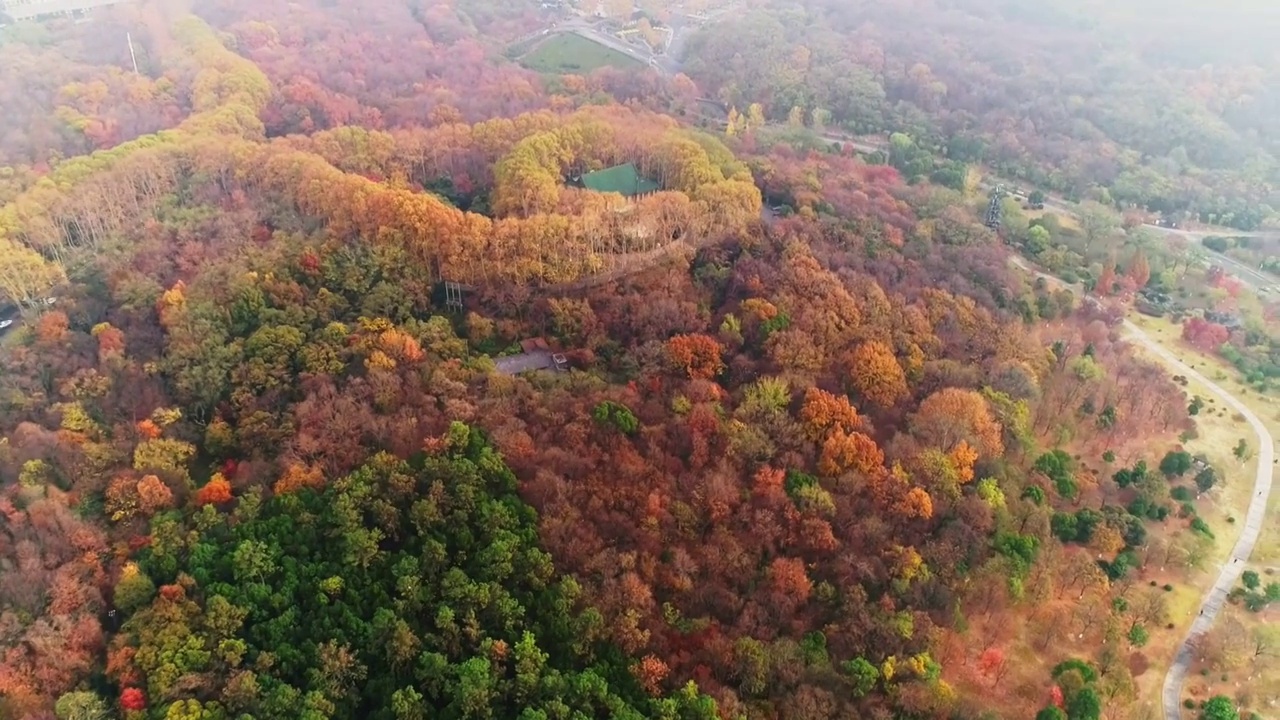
x,y
1214,600
1250,276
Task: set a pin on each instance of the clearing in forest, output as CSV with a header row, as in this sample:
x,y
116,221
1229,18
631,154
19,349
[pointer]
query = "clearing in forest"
x,y
567,53
1236,657
1178,560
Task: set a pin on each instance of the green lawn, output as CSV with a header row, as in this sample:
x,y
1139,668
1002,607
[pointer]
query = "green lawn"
x,y
567,53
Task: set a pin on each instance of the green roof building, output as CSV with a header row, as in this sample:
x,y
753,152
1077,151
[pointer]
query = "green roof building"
x,y
625,180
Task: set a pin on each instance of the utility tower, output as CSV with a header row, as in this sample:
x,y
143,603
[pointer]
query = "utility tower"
x,y
453,296
993,208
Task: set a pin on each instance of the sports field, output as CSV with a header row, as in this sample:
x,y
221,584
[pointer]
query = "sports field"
x,y
567,53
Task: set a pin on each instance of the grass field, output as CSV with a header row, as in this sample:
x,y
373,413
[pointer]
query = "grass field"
x,y
1223,508
1250,674
1251,683
567,53
1064,220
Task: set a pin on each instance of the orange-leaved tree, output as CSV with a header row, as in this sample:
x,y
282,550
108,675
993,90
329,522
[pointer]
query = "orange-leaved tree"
x,y
698,355
297,477
823,411
216,491
954,415
843,451
154,495
875,374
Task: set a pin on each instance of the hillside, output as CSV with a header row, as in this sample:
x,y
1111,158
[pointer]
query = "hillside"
x,y
1166,109
257,459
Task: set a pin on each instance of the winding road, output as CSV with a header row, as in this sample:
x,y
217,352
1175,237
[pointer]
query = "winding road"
x,y
1250,276
1216,597
1213,601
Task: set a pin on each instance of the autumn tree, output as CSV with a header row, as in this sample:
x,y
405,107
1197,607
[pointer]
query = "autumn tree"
x,y
789,579
1205,335
697,355
214,492
854,451
1106,280
992,665
823,411
951,416
650,672
298,477
1139,271
153,495
875,374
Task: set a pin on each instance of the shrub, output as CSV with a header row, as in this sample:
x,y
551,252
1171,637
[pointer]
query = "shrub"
x,y
1176,463
1200,526
1206,479
616,415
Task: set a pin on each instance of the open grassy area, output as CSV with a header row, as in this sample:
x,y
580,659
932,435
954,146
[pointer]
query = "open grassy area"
x,y
567,53
1251,676
1265,405
1223,508
1065,220
1240,662
1254,681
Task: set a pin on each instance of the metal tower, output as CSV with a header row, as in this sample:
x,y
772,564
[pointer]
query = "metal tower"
x,y
453,295
993,208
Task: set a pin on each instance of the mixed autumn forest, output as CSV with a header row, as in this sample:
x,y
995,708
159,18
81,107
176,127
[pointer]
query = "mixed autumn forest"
x,y
815,447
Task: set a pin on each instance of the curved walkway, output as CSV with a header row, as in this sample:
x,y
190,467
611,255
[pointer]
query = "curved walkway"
x,y
1217,595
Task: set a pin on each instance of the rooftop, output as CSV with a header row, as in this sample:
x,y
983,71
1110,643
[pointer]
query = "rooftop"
x,y
28,9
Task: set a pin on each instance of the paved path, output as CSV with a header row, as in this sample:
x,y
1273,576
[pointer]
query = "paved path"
x,y
1217,595
1211,605
1250,276
524,362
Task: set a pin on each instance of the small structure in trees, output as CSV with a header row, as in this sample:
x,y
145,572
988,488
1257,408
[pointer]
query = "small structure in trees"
x,y
38,9
1153,302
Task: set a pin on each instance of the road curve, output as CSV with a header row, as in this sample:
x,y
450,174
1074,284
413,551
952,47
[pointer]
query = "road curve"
x,y
1171,695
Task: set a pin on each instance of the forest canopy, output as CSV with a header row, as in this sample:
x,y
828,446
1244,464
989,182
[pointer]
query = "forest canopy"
x,y
1165,108
270,446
